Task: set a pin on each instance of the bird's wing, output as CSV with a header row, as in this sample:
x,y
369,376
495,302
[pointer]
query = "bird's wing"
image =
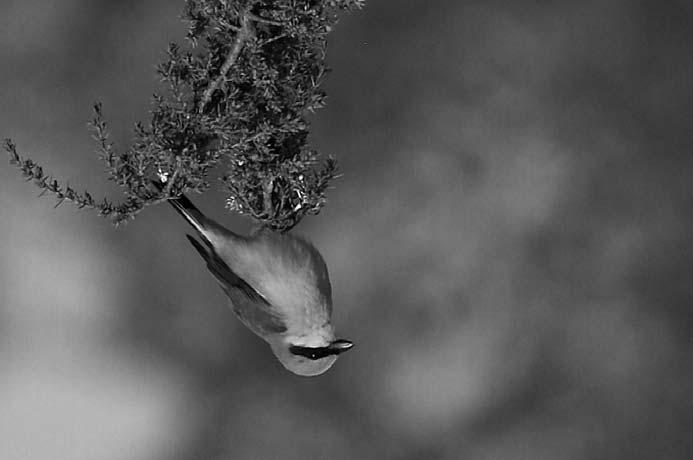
x,y
252,308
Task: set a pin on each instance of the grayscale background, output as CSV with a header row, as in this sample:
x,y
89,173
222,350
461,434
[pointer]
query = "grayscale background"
x,y
509,247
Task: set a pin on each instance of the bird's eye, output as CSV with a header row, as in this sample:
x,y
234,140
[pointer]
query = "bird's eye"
x,y
313,354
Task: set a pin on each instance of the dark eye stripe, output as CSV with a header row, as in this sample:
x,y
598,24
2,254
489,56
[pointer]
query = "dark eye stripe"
x,y
311,353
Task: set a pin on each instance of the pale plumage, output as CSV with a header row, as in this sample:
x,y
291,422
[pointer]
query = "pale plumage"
x,y
278,286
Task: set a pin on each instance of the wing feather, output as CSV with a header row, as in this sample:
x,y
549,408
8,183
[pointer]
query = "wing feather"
x,y
251,307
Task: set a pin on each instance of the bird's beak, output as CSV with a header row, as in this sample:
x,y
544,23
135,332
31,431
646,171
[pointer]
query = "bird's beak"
x,y
340,346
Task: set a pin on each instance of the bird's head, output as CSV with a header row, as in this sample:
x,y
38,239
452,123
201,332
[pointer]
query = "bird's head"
x,y
309,358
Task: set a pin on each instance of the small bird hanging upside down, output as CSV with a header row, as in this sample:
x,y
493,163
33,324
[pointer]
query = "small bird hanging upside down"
x,y
278,287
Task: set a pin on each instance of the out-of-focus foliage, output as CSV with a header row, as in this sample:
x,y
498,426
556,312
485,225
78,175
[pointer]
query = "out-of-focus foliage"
x,y
242,102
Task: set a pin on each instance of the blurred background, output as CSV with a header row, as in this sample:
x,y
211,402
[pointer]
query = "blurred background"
x,y
509,247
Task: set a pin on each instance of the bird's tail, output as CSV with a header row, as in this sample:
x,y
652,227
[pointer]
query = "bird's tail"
x,y
189,211
205,227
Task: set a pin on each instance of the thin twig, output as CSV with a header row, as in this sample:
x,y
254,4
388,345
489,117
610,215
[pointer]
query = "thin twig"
x,y
171,180
273,39
257,18
241,36
267,197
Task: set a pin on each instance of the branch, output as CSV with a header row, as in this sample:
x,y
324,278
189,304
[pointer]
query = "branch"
x,y
117,212
257,128
243,34
33,172
257,18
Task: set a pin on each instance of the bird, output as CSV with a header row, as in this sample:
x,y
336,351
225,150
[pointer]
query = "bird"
x,y
278,287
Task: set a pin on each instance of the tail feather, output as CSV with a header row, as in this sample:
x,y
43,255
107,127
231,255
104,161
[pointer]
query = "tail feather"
x,y
186,208
206,228
194,216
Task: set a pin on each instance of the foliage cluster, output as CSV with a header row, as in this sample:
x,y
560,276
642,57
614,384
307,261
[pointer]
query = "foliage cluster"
x,y
236,97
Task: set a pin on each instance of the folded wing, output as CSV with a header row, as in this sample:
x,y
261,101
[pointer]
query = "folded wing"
x,y
251,307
